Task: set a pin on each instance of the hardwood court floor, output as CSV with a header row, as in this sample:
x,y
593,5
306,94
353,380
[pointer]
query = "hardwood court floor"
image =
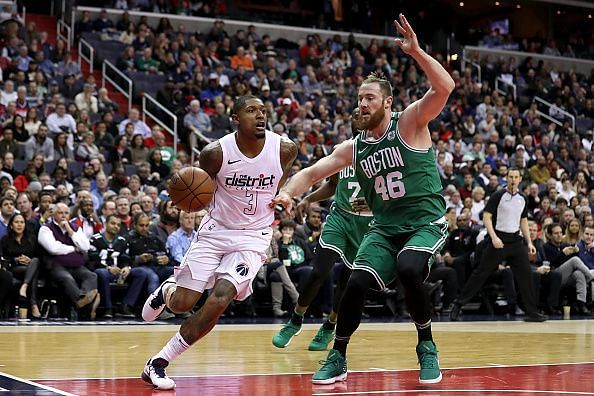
x,y
240,359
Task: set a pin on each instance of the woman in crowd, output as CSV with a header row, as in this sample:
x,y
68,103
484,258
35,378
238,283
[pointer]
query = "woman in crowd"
x,y
20,248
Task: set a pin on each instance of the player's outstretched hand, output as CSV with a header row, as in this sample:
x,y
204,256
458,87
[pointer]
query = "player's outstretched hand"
x,y
408,43
283,199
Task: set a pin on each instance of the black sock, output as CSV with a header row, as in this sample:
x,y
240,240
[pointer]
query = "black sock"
x,y
424,332
340,344
297,318
329,325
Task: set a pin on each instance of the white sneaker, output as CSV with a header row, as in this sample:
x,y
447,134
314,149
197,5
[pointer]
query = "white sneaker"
x,y
155,303
154,373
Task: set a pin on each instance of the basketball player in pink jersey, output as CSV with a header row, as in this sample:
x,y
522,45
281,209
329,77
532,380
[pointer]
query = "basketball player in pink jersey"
x,y
248,168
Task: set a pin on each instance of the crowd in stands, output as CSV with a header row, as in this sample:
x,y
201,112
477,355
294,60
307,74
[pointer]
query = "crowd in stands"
x,y
84,206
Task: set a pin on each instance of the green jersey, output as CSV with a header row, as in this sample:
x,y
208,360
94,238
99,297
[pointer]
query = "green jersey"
x,y
347,190
400,183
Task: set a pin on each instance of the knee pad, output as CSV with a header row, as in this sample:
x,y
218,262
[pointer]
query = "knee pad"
x,y
413,263
360,281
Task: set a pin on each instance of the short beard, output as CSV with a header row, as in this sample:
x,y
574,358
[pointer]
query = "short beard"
x,y
375,119
260,135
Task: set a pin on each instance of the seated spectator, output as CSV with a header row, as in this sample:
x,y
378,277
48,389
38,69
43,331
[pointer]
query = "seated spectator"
x,y
104,102
586,247
87,150
109,258
198,123
146,62
20,248
148,207
179,241
221,122
17,126
32,121
8,94
460,245
85,100
242,59
65,248
86,219
565,260
60,121
547,283
40,144
147,252
9,145
123,212
126,62
168,220
140,126
158,167
167,153
8,166
7,209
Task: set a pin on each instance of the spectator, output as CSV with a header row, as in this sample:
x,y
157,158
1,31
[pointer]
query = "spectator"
x,y
460,245
87,150
86,219
221,122
7,209
148,252
198,123
146,62
167,153
140,126
85,100
65,248
241,59
168,220
108,256
19,247
310,231
104,102
60,121
32,121
17,125
586,247
179,241
9,145
565,260
40,143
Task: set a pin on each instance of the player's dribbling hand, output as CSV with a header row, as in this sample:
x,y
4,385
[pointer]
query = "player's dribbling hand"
x,y
408,43
284,200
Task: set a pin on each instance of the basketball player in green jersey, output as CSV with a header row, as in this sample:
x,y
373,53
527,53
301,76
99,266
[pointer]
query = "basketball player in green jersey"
x,y
345,226
395,166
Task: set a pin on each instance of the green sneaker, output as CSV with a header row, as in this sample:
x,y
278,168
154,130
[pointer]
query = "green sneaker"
x,y
427,353
333,369
321,340
283,338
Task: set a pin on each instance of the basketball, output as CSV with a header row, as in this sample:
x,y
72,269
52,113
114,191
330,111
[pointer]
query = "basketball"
x,y
190,189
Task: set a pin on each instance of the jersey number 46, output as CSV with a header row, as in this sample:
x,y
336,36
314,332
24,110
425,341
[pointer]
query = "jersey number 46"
x,y
390,186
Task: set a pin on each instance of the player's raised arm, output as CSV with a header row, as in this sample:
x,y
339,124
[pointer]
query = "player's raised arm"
x,y
211,158
341,157
442,84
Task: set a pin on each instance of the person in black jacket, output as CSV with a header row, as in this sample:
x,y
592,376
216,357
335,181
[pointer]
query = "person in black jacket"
x,y
108,256
564,259
459,246
20,248
148,253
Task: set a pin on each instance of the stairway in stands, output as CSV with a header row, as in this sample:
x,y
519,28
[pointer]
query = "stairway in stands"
x,y
49,24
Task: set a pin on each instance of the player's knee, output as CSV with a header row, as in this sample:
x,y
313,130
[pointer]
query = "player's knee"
x,y
180,303
360,282
412,265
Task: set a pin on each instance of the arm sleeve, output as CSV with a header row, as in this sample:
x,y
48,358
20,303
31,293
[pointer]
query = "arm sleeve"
x,y
49,243
81,241
493,202
525,210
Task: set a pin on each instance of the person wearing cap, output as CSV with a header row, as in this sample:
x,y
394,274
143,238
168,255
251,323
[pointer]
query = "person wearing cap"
x,y
213,90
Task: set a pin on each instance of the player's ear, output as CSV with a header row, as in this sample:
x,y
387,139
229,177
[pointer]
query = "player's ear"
x,y
389,101
235,119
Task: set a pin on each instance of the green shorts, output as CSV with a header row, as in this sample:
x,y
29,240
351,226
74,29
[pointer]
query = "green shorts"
x,y
343,233
378,253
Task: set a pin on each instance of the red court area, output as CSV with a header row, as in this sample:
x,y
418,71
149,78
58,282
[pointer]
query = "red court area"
x,y
564,379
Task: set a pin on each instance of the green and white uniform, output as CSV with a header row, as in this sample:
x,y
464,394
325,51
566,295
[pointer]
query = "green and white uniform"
x,y
402,187
344,229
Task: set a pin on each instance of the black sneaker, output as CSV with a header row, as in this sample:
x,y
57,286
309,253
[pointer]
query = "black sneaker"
x,y
535,317
125,312
108,314
455,312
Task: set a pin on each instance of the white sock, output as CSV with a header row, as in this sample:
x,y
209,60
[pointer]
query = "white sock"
x,y
175,347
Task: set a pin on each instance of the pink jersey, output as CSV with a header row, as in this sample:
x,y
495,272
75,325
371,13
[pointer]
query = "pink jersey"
x,y
245,186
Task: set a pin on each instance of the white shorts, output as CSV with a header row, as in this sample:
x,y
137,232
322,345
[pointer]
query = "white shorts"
x,y
221,253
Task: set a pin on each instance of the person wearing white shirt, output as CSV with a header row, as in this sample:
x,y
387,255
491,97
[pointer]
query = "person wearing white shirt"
x,y
60,121
65,248
85,100
8,93
140,126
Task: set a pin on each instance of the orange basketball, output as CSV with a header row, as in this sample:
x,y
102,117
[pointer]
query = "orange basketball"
x,y
190,189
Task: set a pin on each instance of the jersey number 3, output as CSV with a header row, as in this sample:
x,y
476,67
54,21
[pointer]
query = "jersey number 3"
x,y
252,202
390,186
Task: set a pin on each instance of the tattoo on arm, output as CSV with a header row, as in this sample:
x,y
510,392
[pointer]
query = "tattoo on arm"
x,y
211,158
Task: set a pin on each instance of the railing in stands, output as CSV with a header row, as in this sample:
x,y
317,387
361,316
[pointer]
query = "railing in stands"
x,y
561,63
150,107
117,80
473,64
501,81
90,58
555,110
67,36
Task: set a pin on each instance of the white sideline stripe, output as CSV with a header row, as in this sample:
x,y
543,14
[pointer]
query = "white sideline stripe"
x,y
32,383
472,391
372,370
